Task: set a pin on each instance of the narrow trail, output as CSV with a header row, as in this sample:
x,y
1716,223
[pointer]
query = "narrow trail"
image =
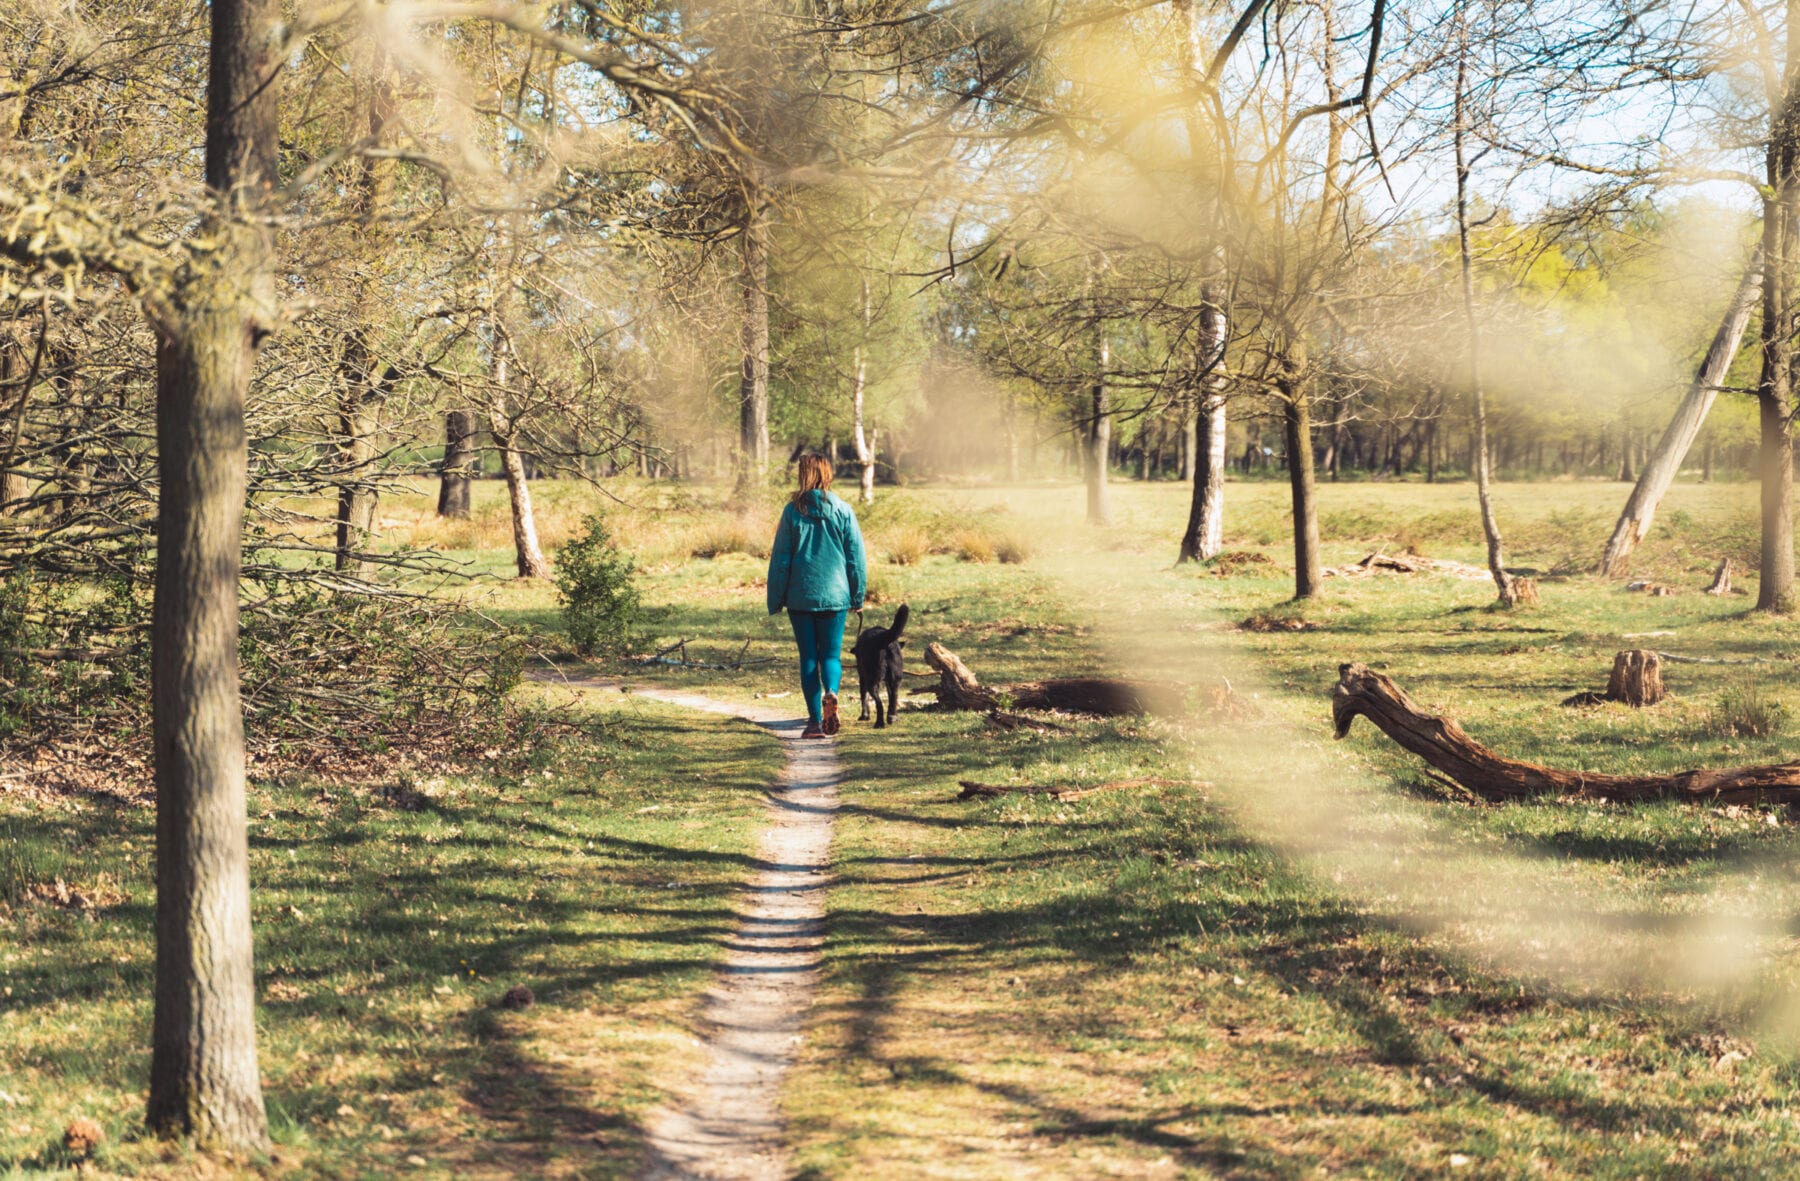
x,y
727,1124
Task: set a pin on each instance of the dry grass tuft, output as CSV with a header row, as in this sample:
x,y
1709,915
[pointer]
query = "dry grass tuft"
x,y
973,545
730,535
908,545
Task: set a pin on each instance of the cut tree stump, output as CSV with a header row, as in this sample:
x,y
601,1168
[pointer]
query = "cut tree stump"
x,y
1636,678
1721,583
1442,744
1523,592
958,688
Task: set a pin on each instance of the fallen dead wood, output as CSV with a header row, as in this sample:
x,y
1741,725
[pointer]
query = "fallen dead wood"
x,y
971,790
959,688
1492,776
999,719
1408,564
662,657
1646,587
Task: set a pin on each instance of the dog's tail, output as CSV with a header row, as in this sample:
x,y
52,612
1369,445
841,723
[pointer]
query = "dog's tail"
x,y
899,624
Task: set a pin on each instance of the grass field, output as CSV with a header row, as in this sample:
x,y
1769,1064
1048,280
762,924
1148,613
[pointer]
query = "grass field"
x,y
1316,958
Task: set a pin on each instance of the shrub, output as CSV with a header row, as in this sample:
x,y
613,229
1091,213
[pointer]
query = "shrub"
x,y
1012,548
907,546
1745,711
972,545
734,535
593,580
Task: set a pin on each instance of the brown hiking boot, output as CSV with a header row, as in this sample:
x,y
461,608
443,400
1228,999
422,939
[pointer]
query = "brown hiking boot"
x,y
812,731
830,724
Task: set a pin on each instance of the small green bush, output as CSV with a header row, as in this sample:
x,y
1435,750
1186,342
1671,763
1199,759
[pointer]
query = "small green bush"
x,y
594,581
1745,711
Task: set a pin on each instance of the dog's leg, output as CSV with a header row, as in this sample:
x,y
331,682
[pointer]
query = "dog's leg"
x,y
893,689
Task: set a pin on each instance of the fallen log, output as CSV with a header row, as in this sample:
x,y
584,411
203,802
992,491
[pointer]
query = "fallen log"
x,y
971,790
959,688
1361,691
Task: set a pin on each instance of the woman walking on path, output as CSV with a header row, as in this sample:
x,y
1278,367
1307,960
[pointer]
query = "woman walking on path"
x,y
818,572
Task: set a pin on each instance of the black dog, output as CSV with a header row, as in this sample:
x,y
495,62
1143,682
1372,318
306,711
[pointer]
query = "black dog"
x,y
878,664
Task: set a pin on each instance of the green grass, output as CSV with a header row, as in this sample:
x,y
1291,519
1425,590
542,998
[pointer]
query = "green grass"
x,y
389,918
1317,958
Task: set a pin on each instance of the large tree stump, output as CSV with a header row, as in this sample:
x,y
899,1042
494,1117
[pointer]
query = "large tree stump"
x,y
1636,678
1520,592
1441,743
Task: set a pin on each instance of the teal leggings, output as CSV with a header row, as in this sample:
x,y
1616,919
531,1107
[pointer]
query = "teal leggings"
x,y
820,636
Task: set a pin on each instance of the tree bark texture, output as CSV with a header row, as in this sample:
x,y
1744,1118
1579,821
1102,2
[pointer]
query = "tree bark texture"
x,y
1097,451
365,382
1205,532
204,1083
1361,691
1490,525
356,446
528,554
1636,678
1296,421
865,453
1678,437
1775,383
456,474
753,379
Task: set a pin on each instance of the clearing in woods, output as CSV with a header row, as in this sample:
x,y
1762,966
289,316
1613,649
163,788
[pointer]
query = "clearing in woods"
x,y
1189,979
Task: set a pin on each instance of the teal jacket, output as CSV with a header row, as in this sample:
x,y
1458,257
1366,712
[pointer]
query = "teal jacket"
x,y
818,563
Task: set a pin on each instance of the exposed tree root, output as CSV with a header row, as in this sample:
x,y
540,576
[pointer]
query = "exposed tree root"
x,y
1442,744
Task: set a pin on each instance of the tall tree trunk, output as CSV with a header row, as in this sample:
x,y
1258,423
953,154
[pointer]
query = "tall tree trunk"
x,y
204,1083
1202,538
753,380
865,455
1205,531
1490,525
1775,384
1660,469
1098,435
456,473
1296,421
17,376
356,453
364,382
528,554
